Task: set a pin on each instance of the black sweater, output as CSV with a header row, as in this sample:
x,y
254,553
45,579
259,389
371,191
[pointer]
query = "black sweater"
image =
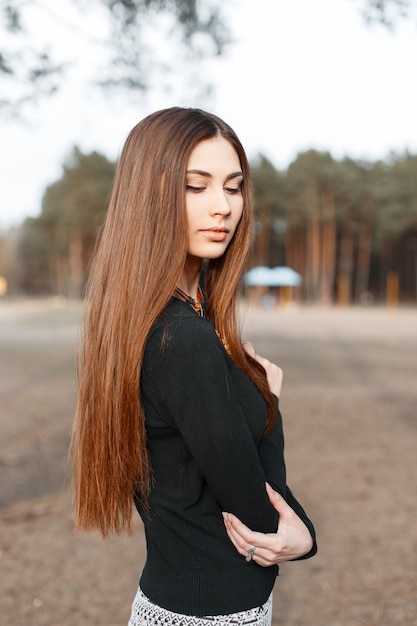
x,y
205,421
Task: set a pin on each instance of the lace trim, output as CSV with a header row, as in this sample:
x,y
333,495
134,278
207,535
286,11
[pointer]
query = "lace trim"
x,y
145,613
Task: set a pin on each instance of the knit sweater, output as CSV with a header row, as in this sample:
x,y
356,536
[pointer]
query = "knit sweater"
x,y
205,420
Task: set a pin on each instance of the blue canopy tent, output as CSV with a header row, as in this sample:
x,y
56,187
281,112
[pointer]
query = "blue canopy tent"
x,y
282,276
263,278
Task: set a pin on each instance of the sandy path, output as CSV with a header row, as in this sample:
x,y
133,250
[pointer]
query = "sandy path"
x,y
349,405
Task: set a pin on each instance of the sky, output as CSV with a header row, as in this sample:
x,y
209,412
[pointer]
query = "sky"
x,y
300,74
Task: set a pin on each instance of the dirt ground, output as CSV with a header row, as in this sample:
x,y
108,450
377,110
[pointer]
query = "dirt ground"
x,y
349,406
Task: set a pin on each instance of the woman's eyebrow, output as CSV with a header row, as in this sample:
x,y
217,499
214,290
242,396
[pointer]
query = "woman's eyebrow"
x,y
208,175
200,172
235,175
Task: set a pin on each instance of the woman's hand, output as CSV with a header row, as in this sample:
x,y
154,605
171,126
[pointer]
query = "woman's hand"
x,y
274,373
291,540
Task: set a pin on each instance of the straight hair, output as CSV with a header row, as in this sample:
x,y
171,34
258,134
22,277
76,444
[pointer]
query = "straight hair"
x,y
139,259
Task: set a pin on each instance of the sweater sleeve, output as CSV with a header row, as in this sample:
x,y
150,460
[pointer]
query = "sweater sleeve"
x,y
190,379
271,455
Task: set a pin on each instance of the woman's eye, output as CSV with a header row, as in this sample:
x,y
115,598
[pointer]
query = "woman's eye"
x,y
233,189
194,189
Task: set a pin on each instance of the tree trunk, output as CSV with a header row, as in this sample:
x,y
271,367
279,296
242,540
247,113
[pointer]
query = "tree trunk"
x,y
76,268
313,239
344,277
328,247
59,267
364,249
295,247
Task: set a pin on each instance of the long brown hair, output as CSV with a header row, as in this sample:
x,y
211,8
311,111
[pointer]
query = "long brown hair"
x,y
139,260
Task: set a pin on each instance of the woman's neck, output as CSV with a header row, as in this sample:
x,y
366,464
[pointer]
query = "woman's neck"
x,y
190,277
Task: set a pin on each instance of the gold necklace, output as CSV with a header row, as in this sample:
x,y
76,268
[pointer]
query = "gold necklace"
x,y
198,305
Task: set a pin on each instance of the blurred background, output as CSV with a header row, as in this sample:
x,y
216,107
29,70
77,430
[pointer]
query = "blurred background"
x,y
323,96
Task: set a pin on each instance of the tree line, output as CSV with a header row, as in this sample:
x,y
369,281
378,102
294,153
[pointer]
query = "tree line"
x,y
348,227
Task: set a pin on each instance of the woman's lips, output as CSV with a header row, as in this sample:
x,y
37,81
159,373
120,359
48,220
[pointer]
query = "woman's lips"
x,y
215,235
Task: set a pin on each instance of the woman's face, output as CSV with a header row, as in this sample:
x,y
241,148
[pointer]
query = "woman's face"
x,y
214,201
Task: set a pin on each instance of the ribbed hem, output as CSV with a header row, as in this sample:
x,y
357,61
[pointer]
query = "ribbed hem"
x,y
210,593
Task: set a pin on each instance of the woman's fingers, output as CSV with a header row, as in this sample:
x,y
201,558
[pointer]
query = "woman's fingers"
x,y
240,534
248,347
273,373
277,501
243,538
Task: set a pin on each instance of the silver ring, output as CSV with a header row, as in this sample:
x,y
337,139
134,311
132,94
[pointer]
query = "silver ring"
x,y
250,552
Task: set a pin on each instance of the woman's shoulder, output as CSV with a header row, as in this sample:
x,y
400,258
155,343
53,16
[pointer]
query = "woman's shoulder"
x,y
179,328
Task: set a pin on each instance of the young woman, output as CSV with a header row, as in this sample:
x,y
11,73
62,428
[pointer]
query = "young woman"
x,y
174,413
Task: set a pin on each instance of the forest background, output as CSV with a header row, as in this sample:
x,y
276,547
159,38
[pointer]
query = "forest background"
x,y
348,226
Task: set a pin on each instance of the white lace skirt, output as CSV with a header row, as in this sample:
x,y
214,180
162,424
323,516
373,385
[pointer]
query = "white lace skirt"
x,y
145,613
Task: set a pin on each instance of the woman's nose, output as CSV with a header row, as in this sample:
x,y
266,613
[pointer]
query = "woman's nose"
x,y
220,203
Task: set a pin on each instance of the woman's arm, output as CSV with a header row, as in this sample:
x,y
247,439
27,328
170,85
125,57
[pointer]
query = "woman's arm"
x,y
292,540
190,380
271,455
